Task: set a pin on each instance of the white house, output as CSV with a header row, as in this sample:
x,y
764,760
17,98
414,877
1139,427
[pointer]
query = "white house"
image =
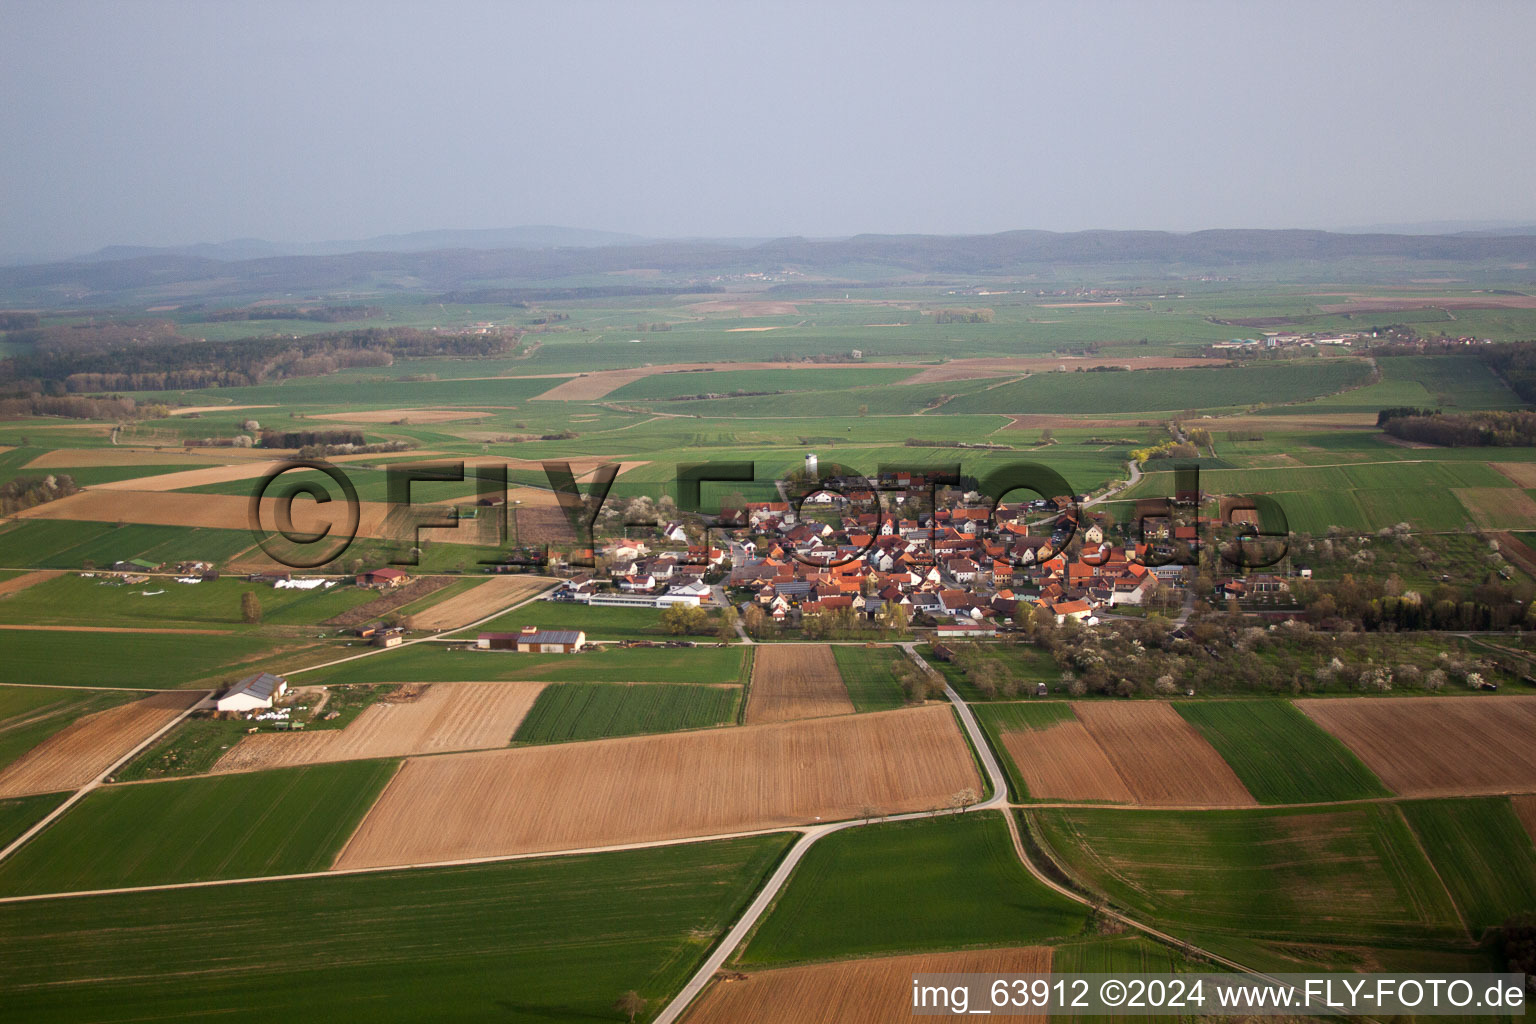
x,y
257,691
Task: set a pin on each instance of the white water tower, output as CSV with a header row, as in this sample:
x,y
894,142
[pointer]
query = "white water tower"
x,y
810,464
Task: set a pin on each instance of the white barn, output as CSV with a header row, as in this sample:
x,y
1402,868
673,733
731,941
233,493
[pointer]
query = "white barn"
x,y
253,692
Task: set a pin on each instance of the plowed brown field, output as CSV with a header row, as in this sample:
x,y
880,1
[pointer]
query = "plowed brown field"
x,y
876,991
17,584
600,382
219,511
249,470
1161,757
446,716
1525,809
1062,762
84,749
1438,746
795,681
479,601
645,788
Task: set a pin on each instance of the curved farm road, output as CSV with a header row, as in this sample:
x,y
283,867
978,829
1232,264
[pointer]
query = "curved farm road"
x,y
998,800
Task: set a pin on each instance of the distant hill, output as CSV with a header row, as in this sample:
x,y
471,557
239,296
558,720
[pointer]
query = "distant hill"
x,y
535,236
1293,255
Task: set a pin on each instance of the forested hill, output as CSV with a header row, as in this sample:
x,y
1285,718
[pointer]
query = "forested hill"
x,y
1343,256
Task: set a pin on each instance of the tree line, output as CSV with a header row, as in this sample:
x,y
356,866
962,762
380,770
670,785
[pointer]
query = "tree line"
x,y
323,315
1503,429
23,493
118,364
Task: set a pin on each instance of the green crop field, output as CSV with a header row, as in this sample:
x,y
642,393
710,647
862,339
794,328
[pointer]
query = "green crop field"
x,y
447,663
1137,391
1352,874
724,382
530,942
1483,854
65,544
867,674
228,826
590,711
1125,954
997,719
1280,755
164,661
17,814
30,714
962,886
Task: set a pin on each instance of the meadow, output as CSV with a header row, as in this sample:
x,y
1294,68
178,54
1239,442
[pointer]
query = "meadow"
x,y
67,600
231,826
527,942
867,675
963,884
591,711
1483,854
1280,754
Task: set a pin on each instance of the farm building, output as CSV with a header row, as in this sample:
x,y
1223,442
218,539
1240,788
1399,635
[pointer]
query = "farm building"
x,y
252,692
384,579
533,640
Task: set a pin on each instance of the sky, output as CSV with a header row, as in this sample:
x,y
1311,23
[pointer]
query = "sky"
x,y
156,123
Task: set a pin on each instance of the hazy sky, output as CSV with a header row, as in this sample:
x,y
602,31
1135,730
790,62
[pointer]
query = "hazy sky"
x,y
143,122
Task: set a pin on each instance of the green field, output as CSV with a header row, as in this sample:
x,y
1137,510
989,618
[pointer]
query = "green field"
x,y
442,662
591,711
30,714
599,623
163,602
66,544
1280,755
17,814
866,672
997,719
229,826
724,382
1151,390
146,660
960,884
1247,879
530,942
1125,954
1483,854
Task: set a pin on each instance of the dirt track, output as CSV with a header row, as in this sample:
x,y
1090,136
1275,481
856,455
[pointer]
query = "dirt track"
x,y
645,788
791,681
444,717
1438,746
85,748
16,584
874,991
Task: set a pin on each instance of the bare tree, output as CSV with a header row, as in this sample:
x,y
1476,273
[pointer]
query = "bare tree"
x,y
632,1003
